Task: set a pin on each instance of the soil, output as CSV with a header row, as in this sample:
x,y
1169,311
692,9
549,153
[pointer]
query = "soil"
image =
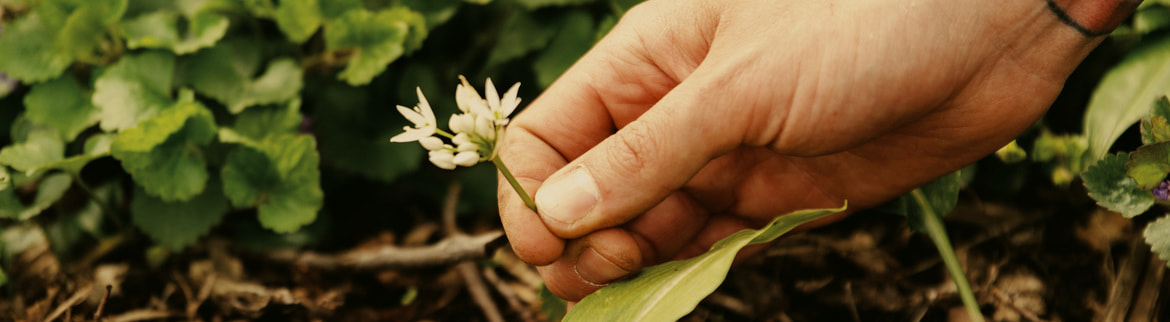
x,y
1045,254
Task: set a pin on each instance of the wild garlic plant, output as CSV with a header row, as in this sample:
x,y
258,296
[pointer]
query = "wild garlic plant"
x,y
475,132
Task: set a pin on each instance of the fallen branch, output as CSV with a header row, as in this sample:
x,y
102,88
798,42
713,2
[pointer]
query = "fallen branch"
x,y
449,251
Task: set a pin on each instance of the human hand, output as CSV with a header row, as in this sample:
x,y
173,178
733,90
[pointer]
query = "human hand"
x,y
694,119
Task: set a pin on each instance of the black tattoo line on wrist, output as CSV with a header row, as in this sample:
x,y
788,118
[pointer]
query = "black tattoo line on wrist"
x,y
1068,20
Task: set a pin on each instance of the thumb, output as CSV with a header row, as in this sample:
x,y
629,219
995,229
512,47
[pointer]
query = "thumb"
x,y
634,169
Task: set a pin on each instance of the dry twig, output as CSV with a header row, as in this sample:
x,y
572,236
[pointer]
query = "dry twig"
x,y
97,315
468,269
79,295
450,250
509,295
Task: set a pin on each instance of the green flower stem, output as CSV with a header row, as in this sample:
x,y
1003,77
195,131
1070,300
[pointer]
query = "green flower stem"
x,y
515,185
934,228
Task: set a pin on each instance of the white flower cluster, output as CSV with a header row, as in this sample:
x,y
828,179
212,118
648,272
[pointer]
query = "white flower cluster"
x,y
475,130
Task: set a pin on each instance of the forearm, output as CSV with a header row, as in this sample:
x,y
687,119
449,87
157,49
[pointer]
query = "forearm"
x,y
1093,17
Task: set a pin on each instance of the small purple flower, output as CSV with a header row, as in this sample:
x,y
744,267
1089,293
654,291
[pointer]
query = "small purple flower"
x,y
1162,192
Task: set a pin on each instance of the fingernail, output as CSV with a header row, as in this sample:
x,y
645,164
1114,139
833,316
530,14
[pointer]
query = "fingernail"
x,y
596,269
569,197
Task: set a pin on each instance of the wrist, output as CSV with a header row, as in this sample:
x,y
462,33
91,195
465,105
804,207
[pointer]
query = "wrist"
x,y
1093,17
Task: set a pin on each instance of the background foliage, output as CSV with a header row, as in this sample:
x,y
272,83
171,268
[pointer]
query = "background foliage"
x,y
263,121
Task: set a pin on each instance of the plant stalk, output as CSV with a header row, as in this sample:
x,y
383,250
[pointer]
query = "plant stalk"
x,y
938,234
512,181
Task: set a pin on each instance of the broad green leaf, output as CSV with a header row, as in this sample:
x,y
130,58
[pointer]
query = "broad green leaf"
x,y
1127,93
669,291
49,190
213,72
939,195
161,29
1155,128
376,39
552,306
1011,153
177,225
61,104
15,239
621,6
298,19
1149,164
280,177
435,12
85,27
96,146
1108,184
522,33
357,139
571,42
40,148
262,122
134,89
1151,19
3,277
1157,235
335,9
534,4
27,50
163,153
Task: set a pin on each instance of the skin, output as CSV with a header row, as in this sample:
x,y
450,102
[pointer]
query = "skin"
x,y
696,119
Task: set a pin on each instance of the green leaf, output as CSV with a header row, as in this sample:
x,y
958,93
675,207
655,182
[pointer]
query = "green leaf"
x,y
571,42
97,146
263,122
298,19
61,104
1149,164
213,72
280,177
621,6
163,153
552,306
375,39
1157,235
161,29
28,52
669,291
134,89
936,198
15,239
1127,93
83,31
41,147
534,4
49,190
177,225
1108,184
3,277
357,139
522,34
1155,130
1150,19
435,12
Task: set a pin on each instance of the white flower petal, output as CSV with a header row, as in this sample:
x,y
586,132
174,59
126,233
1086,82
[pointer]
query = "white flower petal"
x,y
412,115
461,139
467,158
424,107
466,147
444,159
413,134
431,143
461,123
510,101
484,128
493,98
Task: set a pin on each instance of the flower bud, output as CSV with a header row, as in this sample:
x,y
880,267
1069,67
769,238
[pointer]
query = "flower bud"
x,y
483,127
431,143
467,159
444,159
461,123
